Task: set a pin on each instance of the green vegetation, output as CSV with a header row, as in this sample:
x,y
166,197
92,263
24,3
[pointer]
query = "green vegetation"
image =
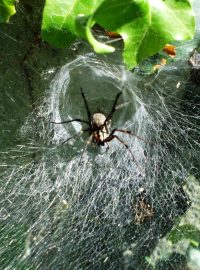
x,y
58,212
7,9
145,26
184,238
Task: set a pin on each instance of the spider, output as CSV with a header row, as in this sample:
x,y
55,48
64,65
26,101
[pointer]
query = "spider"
x,y
99,127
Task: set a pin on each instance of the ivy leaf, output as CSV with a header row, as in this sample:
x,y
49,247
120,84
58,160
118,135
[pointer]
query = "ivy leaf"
x,y
59,19
58,22
183,232
146,26
7,9
84,24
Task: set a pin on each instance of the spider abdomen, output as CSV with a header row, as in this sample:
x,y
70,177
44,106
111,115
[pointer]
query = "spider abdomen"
x,y
98,119
100,127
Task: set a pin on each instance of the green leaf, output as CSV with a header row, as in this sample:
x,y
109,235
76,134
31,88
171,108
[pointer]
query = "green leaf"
x,y
57,25
84,24
188,232
7,9
59,19
145,25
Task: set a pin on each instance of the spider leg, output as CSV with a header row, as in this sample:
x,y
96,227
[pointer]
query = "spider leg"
x,y
130,133
73,120
113,107
87,107
111,137
76,135
107,148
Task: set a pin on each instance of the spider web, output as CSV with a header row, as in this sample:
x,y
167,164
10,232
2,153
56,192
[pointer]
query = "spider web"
x,y
68,206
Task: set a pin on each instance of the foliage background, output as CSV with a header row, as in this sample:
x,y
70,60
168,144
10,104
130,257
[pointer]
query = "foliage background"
x,y
27,66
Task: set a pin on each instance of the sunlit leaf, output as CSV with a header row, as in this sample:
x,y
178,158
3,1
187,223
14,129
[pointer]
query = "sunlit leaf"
x,y
57,26
145,25
84,24
7,9
59,19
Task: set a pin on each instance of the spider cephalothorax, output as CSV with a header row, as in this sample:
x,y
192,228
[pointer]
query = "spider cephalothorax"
x,y
99,126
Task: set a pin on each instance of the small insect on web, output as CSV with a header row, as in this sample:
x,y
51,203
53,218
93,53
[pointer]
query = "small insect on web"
x,y
99,127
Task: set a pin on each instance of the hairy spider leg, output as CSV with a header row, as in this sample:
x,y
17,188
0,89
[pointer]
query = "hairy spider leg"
x,y
107,148
78,119
77,134
73,120
111,137
130,133
87,107
113,108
